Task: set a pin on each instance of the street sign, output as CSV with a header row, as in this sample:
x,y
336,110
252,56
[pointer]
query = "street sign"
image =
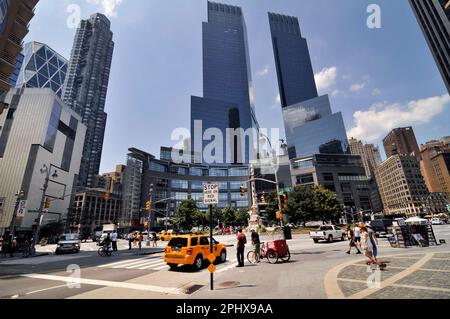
x,y
22,209
212,268
212,258
210,194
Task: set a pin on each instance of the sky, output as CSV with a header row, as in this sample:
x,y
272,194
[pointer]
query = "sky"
x,y
379,79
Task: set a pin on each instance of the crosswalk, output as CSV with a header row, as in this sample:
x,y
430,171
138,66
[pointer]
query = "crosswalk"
x,y
157,263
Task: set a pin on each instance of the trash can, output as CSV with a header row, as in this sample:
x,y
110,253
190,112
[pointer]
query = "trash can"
x,y
287,232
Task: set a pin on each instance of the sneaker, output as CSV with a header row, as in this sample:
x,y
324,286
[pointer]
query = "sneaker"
x,y
348,252
359,253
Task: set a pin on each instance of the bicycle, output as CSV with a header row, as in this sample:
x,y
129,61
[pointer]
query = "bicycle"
x,y
254,257
104,251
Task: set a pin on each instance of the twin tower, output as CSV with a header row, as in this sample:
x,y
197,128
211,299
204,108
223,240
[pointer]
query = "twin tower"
x,y
227,104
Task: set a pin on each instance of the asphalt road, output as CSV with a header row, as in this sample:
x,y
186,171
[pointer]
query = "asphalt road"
x,y
131,276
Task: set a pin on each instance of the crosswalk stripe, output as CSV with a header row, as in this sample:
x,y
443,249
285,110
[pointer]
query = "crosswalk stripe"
x,y
121,262
132,263
153,266
162,267
146,263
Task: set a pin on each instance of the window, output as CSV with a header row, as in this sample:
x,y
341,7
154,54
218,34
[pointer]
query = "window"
x,y
305,179
237,185
194,241
204,241
178,170
180,196
179,184
196,185
330,187
303,164
156,167
328,177
238,172
50,137
238,196
197,196
217,172
194,171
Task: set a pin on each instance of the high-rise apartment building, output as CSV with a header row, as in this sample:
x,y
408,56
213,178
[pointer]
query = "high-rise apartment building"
x,y
42,67
311,126
15,75
227,101
116,178
14,19
401,141
435,166
36,130
369,153
86,87
433,17
402,187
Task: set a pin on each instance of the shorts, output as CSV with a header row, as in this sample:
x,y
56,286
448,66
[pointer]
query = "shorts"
x,y
357,239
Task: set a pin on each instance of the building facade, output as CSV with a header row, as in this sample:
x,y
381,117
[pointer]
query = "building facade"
x,y
402,187
14,19
369,153
401,141
344,175
227,101
433,17
173,183
86,87
116,179
38,129
42,67
434,168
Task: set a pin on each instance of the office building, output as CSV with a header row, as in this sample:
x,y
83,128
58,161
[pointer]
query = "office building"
x,y
227,101
116,179
342,174
305,113
402,187
401,141
433,17
38,129
86,87
369,153
15,75
446,141
15,17
435,166
174,183
42,67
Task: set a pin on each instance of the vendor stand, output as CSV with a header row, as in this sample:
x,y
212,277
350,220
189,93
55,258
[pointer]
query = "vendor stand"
x,y
414,231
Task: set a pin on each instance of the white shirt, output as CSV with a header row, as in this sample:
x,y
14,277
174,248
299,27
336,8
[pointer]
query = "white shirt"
x,y
357,232
114,237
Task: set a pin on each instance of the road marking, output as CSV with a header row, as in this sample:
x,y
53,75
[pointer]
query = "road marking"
x,y
122,262
233,264
46,289
392,280
111,284
151,264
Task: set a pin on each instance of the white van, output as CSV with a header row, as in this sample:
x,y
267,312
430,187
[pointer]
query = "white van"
x,y
437,221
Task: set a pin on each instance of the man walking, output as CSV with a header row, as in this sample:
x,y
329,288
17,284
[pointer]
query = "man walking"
x,y
357,231
130,240
241,241
114,240
351,237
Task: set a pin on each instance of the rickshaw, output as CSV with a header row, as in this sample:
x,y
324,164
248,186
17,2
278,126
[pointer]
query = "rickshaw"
x,y
273,251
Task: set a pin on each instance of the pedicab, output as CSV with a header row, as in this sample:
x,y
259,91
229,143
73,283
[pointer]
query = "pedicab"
x,y
276,250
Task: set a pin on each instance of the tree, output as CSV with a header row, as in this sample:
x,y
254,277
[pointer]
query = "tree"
x,y
242,217
271,209
217,216
329,205
302,205
229,216
187,214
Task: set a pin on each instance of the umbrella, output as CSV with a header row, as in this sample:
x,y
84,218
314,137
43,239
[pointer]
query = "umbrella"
x,y
416,220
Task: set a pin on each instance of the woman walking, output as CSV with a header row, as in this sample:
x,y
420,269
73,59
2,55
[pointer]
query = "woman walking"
x,y
369,244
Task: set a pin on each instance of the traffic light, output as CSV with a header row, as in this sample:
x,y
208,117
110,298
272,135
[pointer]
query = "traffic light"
x,y
148,205
243,191
278,215
284,200
47,203
107,196
263,199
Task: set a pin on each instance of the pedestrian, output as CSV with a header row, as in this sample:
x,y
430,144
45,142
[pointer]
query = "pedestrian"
x,y
135,239
241,242
130,240
5,248
114,240
26,248
256,242
140,240
12,246
357,231
155,240
374,241
351,238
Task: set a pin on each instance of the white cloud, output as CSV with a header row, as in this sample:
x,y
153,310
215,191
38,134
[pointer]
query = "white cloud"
x,y
376,92
326,78
374,123
108,6
357,87
263,72
335,93
278,99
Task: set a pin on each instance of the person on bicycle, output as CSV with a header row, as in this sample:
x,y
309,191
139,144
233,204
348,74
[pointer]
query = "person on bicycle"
x,y
256,242
107,243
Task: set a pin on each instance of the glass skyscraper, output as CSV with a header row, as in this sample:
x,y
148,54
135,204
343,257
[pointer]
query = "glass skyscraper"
x,y
41,67
86,87
311,126
227,100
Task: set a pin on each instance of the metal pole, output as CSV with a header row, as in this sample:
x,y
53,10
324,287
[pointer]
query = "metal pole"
x,y
211,248
12,226
41,208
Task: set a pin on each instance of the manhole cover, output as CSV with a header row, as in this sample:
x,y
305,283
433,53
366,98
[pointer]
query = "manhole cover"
x,y
229,284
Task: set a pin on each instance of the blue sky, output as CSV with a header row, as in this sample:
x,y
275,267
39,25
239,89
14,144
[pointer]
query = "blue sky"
x,y
378,78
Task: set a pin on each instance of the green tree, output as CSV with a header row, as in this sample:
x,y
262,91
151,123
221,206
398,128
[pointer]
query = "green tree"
x,y
229,216
187,214
302,205
242,217
217,216
330,207
271,209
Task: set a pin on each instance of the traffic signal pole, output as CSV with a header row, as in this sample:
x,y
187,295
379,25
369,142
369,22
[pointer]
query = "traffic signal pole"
x,y
211,241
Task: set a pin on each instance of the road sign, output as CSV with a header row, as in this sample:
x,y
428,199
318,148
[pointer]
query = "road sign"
x,y
210,194
22,209
212,268
212,258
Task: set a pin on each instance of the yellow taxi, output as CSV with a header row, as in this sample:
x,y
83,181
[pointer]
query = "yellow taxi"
x,y
166,236
192,250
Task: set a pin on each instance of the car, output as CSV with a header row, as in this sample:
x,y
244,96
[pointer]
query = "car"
x,y
192,250
328,233
68,243
437,221
380,226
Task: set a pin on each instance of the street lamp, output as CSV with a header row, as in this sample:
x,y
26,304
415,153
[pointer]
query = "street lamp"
x,y
47,171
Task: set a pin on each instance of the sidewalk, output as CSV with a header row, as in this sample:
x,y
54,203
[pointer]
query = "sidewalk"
x,y
422,275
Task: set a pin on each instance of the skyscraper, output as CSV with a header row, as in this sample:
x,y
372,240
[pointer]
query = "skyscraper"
x,y
227,100
434,20
42,67
305,113
401,141
369,153
86,87
14,19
